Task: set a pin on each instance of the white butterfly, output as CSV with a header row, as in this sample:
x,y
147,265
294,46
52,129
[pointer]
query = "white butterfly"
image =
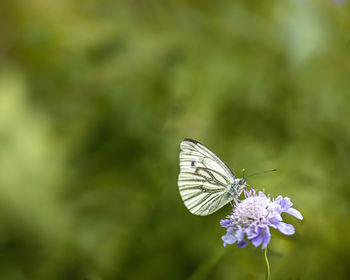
x,y
205,182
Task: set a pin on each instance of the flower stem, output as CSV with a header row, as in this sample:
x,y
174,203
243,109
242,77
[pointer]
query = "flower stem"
x,y
267,264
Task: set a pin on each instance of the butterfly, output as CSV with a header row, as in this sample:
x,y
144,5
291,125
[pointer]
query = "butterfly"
x,y
205,182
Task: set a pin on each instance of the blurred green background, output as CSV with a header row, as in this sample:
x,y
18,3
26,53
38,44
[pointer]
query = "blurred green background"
x,y
95,98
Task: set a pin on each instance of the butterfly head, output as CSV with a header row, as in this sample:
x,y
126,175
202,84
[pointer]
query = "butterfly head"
x,y
242,181
237,187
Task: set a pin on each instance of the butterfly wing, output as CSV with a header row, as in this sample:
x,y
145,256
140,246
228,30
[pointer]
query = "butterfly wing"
x,y
204,179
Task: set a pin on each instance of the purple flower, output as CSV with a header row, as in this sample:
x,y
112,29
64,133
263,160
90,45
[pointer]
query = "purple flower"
x,y
252,218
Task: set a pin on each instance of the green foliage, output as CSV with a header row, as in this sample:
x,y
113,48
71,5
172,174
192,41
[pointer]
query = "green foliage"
x,y
95,98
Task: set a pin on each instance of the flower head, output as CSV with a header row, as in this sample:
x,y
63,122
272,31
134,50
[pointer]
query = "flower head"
x,y
252,218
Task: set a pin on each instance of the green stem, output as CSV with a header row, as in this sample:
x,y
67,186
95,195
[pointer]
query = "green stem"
x,y
267,264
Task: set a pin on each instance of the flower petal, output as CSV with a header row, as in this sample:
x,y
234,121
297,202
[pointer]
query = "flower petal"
x,y
286,229
225,223
285,204
275,219
267,238
240,234
278,199
261,194
242,243
228,239
294,212
251,232
257,240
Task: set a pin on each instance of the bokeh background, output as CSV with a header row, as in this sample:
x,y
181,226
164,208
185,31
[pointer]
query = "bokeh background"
x,y
95,98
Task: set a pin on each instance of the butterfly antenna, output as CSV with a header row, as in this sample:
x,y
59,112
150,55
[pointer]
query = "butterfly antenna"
x,y
243,170
262,172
